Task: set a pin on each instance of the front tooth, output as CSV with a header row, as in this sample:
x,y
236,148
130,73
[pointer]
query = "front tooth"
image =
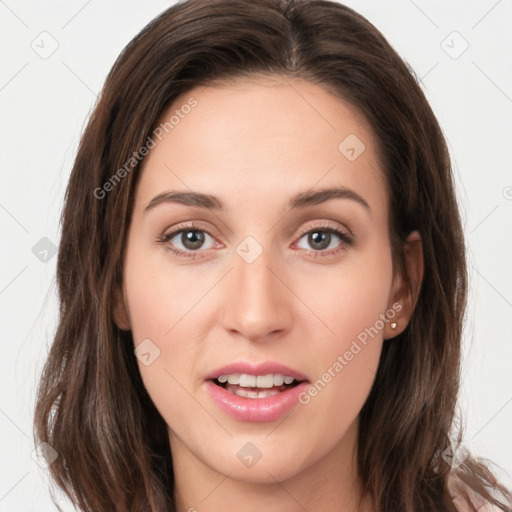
x,y
234,378
278,379
265,381
247,381
261,381
264,393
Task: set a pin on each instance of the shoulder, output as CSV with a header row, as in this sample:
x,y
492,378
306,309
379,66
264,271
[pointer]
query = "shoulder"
x,y
486,507
461,504
479,503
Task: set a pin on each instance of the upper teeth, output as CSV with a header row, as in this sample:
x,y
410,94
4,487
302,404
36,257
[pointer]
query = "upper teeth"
x,y
256,381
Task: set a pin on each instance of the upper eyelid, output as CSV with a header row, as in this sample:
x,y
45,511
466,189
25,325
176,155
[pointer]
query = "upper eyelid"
x,y
327,225
192,226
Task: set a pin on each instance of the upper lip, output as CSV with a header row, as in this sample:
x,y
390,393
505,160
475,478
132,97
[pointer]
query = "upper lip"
x,y
263,368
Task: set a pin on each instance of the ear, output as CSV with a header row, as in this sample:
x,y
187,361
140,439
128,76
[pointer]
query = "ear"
x,y
402,297
120,310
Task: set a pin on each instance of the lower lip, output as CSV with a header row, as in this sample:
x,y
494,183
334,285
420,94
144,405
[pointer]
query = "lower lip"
x,y
266,409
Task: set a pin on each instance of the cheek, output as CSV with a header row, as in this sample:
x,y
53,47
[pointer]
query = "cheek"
x,y
159,295
348,299
159,304
161,308
353,306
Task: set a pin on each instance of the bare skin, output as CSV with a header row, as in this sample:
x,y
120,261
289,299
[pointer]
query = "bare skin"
x,y
254,144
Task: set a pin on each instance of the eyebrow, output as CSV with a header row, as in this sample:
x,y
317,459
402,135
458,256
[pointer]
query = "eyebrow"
x,y
301,200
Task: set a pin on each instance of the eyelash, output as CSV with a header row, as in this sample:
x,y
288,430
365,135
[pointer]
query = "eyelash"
x,y
346,238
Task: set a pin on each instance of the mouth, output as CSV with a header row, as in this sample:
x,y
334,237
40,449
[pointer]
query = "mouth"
x,y
256,386
261,392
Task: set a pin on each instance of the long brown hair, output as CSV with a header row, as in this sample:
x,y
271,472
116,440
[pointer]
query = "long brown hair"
x,y
92,407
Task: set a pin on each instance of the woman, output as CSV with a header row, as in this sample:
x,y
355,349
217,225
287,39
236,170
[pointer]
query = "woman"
x,y
209,353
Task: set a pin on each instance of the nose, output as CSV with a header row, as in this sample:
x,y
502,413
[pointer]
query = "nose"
x,y
257,301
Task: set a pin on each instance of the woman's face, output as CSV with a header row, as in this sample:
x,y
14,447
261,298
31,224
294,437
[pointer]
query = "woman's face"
x,y
270,276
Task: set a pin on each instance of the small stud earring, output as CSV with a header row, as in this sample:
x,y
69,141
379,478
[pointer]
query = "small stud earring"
x,y
394,325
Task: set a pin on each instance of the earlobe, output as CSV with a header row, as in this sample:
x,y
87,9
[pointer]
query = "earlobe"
x,y
120,311
403,294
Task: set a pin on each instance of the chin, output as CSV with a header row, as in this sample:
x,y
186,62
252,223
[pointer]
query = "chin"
x,y
259,462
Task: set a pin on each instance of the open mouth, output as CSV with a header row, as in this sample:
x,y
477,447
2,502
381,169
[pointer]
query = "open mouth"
x,y
265,393
243,388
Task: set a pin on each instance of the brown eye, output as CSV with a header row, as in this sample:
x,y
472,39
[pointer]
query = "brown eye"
x,y
319,239
188,241
192,239
326,239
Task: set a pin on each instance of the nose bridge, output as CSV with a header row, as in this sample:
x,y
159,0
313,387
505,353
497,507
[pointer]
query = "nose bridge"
x,y
256,303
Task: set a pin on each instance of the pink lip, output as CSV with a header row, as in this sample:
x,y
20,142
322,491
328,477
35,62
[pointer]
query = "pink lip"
x,y
255,409
256,369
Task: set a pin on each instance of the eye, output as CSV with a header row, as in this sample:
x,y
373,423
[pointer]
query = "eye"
x,y
187,241
326,240
191,240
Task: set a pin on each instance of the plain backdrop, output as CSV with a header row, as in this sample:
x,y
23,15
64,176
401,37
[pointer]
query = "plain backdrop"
x,y
54,59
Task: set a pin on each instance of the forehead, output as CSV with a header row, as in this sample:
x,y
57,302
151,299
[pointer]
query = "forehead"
x,y
257,137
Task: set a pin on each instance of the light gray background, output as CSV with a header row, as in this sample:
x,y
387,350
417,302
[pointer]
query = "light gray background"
x,y
44,106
